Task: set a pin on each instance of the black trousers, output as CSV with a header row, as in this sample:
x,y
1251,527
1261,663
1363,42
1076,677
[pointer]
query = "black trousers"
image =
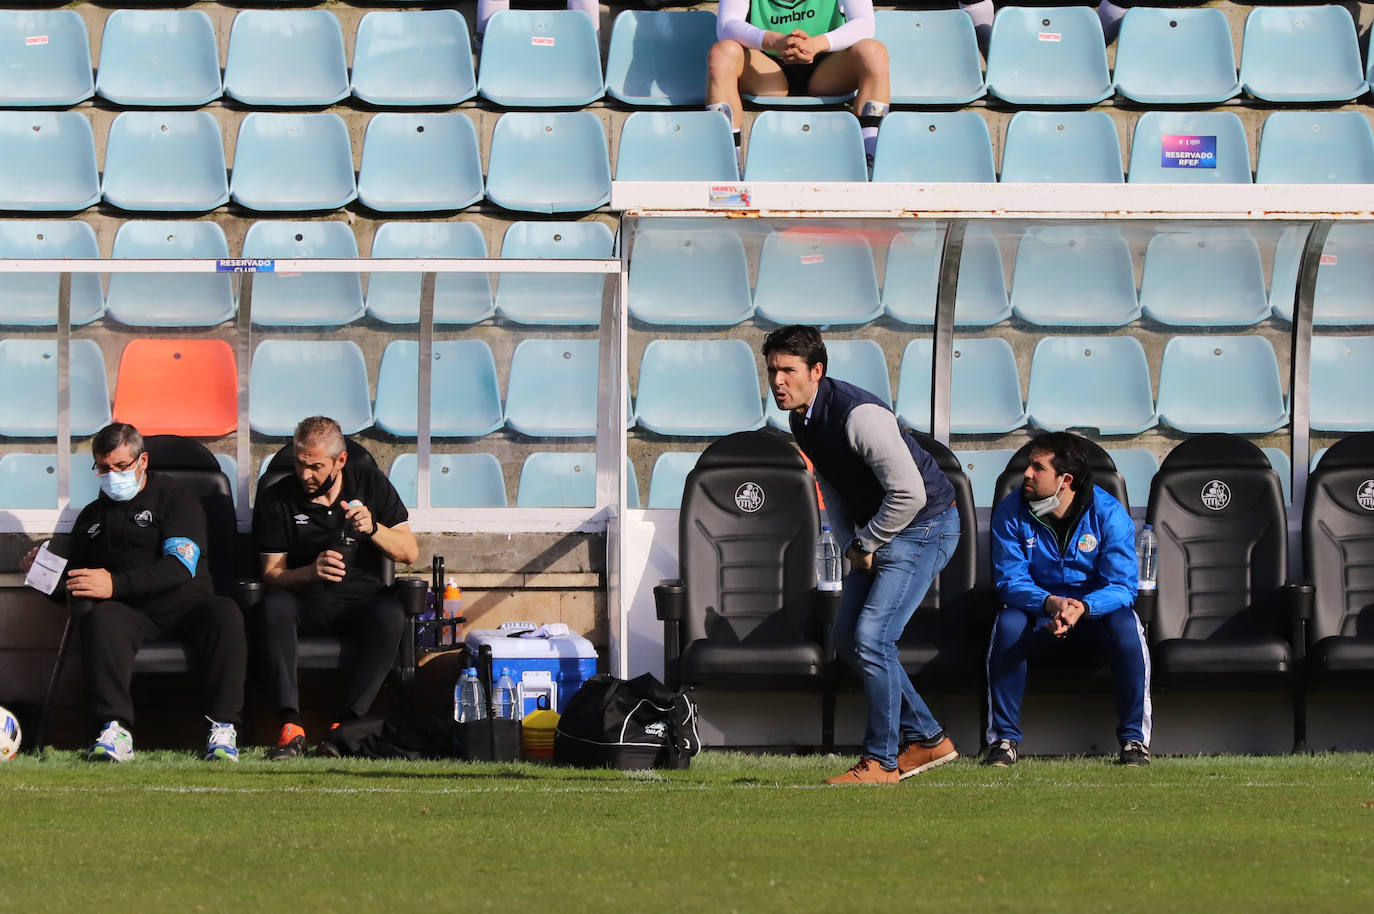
x,y
371,631
112,632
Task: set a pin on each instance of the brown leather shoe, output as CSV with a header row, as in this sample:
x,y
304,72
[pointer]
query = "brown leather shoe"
x,y
913,758
866,772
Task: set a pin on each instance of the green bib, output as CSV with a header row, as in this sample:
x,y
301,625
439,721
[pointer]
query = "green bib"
x,y
814,17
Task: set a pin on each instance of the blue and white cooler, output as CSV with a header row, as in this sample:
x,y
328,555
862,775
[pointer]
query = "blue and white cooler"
x,y
554,664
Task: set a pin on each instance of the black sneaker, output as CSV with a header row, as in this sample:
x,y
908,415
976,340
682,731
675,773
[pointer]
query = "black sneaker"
x,y
291,744
1001,754
1134,754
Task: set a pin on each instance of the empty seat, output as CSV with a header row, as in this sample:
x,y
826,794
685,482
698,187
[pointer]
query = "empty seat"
x,y
1301,54
47,58
549,162
1344,279
455,480
1204,277
982,469
417,163
47,161
28,388
1199,147
304,299
933,54
540,59
30,481
985,390
465,400
676,146
824,278
1048,56
859,362
292,379
30,299
689,277
1316,147
1240,376
1062,146
291,58
1175,57
931,147
1137,466
171,299
293,162
459,298
1342,372
805,146
169,161
551,392
723,395
566,480
568,299
159,58
413,58
230,468
659,57
912,277
669,477
178,387
1090,382
1074,276
1279,460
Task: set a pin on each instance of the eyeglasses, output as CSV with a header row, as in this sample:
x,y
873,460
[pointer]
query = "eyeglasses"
x,y
114,467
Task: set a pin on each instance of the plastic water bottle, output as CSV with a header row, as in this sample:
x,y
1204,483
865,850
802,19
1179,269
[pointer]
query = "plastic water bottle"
x,y
505,696
1147,555
828,567
469,703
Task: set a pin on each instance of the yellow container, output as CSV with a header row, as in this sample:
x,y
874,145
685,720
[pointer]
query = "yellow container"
x,y
537,732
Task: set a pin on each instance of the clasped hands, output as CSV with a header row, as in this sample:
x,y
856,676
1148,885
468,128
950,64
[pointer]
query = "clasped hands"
x,y
1064,614
798,47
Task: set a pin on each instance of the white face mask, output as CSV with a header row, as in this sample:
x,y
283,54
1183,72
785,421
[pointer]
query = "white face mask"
x,y
1047,505
120,486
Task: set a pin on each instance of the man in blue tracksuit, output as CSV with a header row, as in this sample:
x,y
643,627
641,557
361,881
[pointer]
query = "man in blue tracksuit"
x,y
1063,560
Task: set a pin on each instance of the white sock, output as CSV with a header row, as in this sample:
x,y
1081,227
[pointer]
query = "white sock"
x,y
981,12
1110,14
870,141
487,8
591,8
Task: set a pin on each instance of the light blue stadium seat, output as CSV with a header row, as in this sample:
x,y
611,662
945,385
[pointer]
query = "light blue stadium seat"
x,y
166,161
1283,465
1074,276
171,299
982,469
159,58
28,388
669,477
1048,56
928,146
985,392
1238,375
658,57
418,163
30,481
549,162
230,467
551,392
292,163
465,400
571,299
933,56
1062,146
459,298
859,362
1317,458
1175,57
1137,467
1342,377
541,59
291,379
676,146
1090,382
698,388
455,480
47,60
1316,147
1204,277
47,161
913,275
1203,147
805,146
307,299
566,480
1344,279
689,277
286,58
413,58
824,278
1301,54
30,299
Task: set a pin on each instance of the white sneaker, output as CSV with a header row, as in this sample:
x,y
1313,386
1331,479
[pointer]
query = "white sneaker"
x,y
115,744
223,743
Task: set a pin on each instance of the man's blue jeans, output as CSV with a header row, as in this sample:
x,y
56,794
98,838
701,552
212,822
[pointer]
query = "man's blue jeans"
x,y
874,610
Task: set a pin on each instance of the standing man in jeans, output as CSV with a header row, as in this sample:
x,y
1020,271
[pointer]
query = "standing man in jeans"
x,y
879,485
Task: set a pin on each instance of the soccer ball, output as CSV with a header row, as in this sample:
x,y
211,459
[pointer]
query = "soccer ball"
x,y
10,735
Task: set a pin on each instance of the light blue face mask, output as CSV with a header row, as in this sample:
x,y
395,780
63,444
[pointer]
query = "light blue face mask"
x,y
120,486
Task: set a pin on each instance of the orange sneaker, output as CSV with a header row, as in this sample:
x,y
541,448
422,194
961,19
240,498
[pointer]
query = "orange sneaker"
x,y
290,744
867,772
913,758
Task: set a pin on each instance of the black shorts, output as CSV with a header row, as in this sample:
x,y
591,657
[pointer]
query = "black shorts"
x,y
799,75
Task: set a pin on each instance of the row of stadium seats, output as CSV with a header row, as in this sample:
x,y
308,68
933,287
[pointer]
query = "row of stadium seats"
x,y
551,58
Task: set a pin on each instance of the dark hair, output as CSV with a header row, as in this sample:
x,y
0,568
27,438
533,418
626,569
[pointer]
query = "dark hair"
x,y
799,340
114,435
1068,454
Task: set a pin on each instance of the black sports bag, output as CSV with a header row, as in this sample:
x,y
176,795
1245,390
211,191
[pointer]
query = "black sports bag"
x,y
614,723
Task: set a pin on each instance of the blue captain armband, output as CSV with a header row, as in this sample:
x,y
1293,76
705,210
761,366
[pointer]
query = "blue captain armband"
x,y
186,551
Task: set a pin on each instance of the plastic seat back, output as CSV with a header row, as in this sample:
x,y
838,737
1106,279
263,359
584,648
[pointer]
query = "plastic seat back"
x,y
1204,277
933,56
1175,57
1137,467
985,391
657,57
159,58
47,161
566,479
465,400
549,162
1240,375
28,388
1062,146
30,481
288,58
168,161
553,298
1102,468
459,298
1344,278
416,163
912,278
1338,525
292,379
48,59
1316,147
419,58
1113,368
30,299
551,392
171,299
805,146
825,278
689,277
723,397
1341,365
1048,56
1301,54
670,477
676,146
455,480
860,362
309,299
178,387
540,59
1197,147
293,162
928,146
1074,276
982,469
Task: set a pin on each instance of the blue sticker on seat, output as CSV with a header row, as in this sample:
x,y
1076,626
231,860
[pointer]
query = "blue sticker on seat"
x,y
187,552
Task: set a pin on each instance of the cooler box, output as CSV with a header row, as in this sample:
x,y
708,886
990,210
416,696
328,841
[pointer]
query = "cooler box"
x,y
569,660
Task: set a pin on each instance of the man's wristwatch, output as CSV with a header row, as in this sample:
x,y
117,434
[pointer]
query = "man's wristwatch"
x,y
856,546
